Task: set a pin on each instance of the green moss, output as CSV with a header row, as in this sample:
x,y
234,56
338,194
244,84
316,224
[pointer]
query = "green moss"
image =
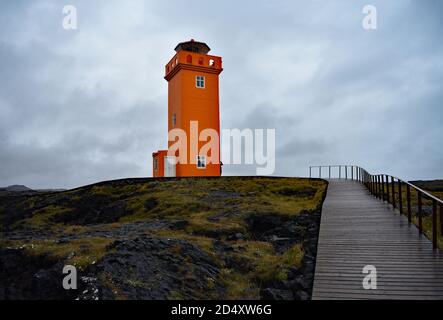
x,y
41,218
238,286
79,252
175,295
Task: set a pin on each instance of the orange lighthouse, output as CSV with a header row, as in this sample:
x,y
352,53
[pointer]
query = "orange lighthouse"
x,y
193,114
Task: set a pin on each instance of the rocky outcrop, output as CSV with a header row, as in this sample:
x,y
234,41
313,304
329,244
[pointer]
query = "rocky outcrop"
x,y
164,239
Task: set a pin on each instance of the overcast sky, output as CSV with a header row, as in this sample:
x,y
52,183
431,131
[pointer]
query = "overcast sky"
x,y
77,107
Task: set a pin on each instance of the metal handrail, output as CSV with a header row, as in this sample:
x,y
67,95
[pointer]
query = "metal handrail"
x,y
378,185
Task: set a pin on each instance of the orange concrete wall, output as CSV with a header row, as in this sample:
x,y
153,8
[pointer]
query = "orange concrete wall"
x,y
190,103
159,155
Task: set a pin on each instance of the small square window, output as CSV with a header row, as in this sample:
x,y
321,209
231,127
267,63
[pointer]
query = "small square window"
x,y
201,162
200,82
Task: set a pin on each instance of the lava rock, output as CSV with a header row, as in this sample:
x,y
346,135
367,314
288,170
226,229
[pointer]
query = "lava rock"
x,y
276,294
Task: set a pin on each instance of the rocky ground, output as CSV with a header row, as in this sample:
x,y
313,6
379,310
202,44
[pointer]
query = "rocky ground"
x,y
223,238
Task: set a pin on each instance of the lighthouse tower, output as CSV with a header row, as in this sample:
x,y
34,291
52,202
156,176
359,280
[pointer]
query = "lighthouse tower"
x,y
193,107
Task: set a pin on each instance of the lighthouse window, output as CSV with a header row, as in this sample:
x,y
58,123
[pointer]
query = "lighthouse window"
x,y
200,82
155,164
201,162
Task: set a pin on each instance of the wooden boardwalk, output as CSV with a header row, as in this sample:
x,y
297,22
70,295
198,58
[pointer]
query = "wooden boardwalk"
x,y
357,230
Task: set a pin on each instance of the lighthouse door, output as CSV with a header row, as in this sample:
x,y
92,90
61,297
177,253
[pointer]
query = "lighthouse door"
x,y
169,166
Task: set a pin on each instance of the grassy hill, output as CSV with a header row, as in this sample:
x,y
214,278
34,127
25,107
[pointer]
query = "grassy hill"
x,y
188,238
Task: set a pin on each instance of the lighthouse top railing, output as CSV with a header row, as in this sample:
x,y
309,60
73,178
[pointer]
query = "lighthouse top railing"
x,y
388,188
198,60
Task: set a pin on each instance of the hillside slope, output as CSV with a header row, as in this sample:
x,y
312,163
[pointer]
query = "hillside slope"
x,y
188,238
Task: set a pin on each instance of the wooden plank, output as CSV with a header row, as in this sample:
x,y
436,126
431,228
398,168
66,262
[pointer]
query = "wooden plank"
x,y
358,229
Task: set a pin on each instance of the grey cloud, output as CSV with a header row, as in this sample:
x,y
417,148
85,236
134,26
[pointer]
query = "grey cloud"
x,y
90,105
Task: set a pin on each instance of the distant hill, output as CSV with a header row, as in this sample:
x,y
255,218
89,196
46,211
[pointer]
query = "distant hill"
x,y
430,185
17,188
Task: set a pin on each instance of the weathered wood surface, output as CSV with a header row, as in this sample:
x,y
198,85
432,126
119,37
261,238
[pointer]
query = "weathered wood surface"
x,y
356,230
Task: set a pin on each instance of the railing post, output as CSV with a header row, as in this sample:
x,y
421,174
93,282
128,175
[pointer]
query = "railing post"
x,y
373,185
346,172
319,172
408,196
380,179
393,192
434,224
310,175
400,202
352,172
420,219
387,188
383,194
378,187
441,220
329,172
382,190
339,172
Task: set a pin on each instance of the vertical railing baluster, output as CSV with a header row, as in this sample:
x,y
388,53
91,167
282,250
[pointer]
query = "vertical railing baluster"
x,y
383,194
352,172
380,192
400,202
329,172
408,196
339,172
319,172
346,172
420,219
393,192
441,220
383,190
310,172
387,188
368,177
378,187
375,186
434,224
